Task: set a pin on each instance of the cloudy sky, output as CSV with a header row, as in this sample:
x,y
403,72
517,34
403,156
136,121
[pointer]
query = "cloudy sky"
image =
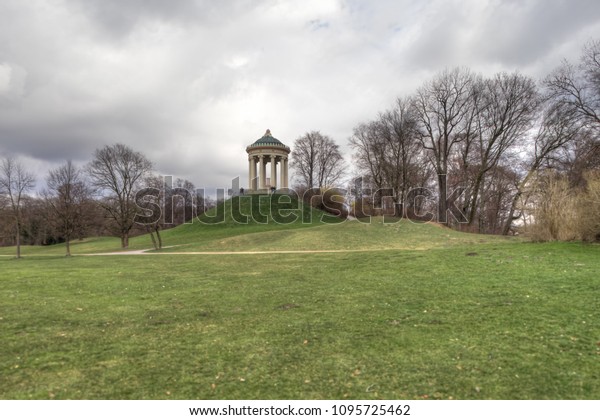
x,y
190,83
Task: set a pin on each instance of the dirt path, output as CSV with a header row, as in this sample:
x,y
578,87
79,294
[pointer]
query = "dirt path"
x,y
143,252
135,252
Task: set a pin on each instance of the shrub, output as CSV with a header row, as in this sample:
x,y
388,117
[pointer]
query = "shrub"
x,y
563,212
589,208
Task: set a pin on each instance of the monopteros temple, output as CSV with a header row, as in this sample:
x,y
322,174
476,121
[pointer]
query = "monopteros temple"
x,y
267,151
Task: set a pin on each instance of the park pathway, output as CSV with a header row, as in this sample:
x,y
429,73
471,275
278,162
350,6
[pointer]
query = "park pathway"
x,y
144,252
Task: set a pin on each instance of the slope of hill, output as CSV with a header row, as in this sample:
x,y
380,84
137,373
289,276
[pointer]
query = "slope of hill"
x,y
247,215
234,217
280,223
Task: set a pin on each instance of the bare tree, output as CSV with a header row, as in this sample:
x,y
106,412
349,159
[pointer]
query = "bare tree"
x,y
68,197
6,235
496,197
369,154
445,111
567,152
317,160
151,200
507,107
388,152
582,156
167,204
559,127
578,87
180,202
115,172
15,181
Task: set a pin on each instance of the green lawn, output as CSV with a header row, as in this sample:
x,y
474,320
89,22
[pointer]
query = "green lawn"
x,y
209,230
422,312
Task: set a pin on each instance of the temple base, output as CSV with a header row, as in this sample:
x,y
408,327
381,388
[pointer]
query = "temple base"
x,y
266,191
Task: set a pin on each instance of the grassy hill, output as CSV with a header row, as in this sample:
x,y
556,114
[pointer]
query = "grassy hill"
x,y
277,222
237,216
247,215
399,311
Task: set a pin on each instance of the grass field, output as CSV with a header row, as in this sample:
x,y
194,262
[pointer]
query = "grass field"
x,y
404,311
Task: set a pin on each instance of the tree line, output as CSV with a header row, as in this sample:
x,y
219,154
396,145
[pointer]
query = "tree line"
x,y
94,200
485,154
481,152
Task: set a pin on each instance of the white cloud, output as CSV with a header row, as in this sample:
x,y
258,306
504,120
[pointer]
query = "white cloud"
x,y
5,72
12,82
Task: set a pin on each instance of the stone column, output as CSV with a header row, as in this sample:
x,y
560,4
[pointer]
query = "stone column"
x,y
281,172
249,173
262,169
273,172
285,170
252,173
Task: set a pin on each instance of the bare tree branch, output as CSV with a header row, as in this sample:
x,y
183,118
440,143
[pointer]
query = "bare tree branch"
x,y
317,160
115,173
15,181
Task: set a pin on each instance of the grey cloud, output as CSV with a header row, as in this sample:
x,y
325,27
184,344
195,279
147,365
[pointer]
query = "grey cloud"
x,y
512,33
118,18
518,33
63,137
192,83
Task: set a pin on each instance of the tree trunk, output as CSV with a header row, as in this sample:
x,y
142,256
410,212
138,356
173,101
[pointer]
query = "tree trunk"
x,y
473,204
154,244
18,239
159,238
125,240
68,246
515,200
511,213
442,199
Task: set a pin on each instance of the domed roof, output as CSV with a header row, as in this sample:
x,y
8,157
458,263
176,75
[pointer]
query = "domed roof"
x,y
267,140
